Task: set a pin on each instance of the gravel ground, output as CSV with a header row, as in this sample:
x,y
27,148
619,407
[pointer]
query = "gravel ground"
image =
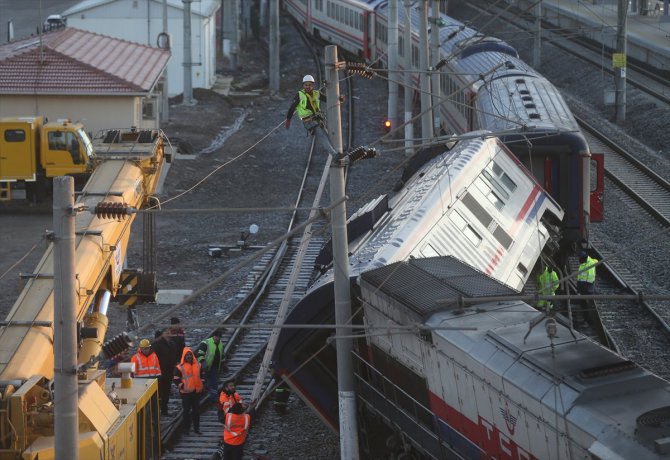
x,y
264,174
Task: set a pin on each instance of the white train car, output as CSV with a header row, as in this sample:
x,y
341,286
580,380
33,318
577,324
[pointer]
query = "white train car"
x,y
475,202
478,382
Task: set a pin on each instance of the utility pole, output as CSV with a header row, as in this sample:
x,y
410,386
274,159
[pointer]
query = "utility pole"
x,y
434,57
619,62
392,109
66,408
188,85
165,113
427,117
407,51
274,48
538,35
235,34
338,219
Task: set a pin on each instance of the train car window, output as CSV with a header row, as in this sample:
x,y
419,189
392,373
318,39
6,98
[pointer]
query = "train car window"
x,y
496,185
401,46
415,57
502,175
477,210
495,200
472,235
458,220
15,135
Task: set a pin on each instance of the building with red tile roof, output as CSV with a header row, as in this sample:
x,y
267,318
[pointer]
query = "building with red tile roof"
x,y
81,75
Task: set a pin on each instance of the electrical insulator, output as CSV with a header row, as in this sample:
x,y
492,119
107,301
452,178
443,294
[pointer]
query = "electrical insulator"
x,y
117,345
362,153
108,210
360,68
387,125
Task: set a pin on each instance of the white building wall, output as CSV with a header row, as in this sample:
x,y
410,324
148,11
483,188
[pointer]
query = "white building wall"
x,y
141,21
119,112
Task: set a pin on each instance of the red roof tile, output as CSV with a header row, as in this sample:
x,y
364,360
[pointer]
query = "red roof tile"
x,y
74,61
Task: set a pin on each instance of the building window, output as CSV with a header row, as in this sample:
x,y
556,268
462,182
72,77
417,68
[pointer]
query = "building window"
x,y
149,109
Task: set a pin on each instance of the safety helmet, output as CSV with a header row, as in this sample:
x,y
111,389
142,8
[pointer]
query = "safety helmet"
x,y
144,343
307,78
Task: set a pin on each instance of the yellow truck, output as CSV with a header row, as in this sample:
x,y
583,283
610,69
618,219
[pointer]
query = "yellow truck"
x,y
33,152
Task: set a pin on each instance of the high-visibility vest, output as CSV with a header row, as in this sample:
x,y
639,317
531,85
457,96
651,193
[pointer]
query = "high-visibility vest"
x,y
547,283
146,366
309,104
235,429
208,356
587,271
226,402
190,377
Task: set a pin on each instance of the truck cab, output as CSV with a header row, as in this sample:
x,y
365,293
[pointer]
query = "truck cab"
x,y
33,152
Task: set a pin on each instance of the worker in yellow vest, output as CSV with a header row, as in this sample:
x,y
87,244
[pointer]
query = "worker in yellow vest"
x,y
586,274
547,283
307,102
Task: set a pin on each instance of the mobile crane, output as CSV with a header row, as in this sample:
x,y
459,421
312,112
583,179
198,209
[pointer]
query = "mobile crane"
x,y
116,419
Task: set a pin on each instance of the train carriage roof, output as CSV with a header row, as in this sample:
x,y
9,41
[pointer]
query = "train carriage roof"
x,y
418,283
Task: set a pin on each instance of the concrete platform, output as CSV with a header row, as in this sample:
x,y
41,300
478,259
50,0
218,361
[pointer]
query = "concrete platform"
x,y
648,33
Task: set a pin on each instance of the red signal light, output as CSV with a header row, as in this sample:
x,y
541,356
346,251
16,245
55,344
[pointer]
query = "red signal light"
x,y
387,125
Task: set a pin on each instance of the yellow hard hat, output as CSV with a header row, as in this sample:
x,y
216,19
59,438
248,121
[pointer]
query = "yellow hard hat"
x,y
144,343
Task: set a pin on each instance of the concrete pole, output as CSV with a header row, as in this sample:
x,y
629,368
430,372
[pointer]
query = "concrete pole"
x,y
409,90
537,48
392,109
338,219
427,117
264,13
66,408
275,43
188,85
235,34
620,79
434,58
165,113
226,27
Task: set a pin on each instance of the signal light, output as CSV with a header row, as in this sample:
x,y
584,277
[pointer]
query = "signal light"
x,y
387,125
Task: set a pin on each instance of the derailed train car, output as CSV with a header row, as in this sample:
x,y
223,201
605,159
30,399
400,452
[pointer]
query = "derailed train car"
x,y
475,202
485,86
436,378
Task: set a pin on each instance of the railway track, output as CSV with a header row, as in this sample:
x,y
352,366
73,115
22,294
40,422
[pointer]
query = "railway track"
x,y
646,191
653,82
273,285
638,330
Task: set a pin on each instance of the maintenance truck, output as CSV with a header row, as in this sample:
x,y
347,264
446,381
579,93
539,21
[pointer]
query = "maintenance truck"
x,y
117,419
33,152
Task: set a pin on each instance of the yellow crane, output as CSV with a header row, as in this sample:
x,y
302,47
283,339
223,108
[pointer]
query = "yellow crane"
x,y
116,419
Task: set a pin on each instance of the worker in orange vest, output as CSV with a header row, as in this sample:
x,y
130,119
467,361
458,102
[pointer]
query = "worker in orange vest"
x,y
146,362
235,431
228,396
189,381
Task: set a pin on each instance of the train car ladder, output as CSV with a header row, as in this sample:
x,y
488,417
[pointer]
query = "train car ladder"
x,y
5,191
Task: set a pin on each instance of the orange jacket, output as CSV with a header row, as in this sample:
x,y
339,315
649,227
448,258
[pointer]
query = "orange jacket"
x,y
226,402
187,376
146,366
235,429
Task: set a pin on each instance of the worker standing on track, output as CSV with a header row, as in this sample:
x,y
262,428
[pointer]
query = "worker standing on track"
x,y
586,274
307,102
235,429
165,350
178,338
146,362
211,356
547,284
188,380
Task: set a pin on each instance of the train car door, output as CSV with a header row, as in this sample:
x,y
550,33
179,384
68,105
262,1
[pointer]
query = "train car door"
x,y
597,197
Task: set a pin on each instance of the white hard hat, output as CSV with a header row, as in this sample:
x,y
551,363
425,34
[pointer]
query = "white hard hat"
x,y
307,78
